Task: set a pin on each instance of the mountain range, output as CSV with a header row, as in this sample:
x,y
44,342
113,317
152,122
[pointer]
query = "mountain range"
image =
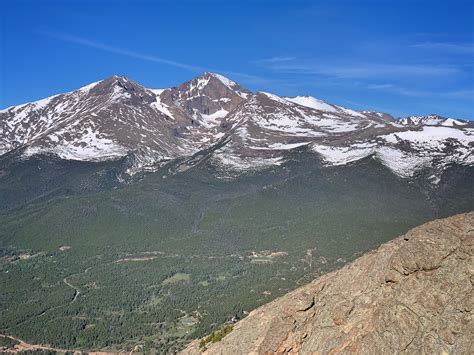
x,y
215,118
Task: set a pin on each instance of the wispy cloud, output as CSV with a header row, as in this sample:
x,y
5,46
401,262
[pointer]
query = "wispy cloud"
x,y
411,80
244,77
274,60
461,94
464,94
446,46
379,86
361,71
121,51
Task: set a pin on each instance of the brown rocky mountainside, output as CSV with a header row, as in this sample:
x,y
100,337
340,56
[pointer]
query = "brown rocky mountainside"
x,y
411,295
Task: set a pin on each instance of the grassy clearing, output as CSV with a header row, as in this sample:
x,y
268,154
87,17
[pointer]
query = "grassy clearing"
x,y
179,277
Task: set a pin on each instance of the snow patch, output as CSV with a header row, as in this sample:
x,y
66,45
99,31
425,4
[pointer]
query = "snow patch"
x,y
350,112
341,155
312,102
280,146
275,98
402,163
232,85
212,119
103,149
85,89
242,164
119,93
160,106
226,81
431,136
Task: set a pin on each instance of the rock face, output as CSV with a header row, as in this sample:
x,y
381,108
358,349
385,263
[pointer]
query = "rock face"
x,y
412,295
208,96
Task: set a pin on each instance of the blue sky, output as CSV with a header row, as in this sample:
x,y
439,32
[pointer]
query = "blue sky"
x,y
399,56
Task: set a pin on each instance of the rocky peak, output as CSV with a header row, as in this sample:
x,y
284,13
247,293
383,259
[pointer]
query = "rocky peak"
x,y
217,79
411,295
209,94
122,89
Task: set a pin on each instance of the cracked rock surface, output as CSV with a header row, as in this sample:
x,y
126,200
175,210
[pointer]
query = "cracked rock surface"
x,y
412,295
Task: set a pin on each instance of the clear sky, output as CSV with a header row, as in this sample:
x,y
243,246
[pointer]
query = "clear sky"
x,y
399,56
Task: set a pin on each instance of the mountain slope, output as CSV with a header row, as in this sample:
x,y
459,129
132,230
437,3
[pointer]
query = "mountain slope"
x,y
268,125
105,120
143,253
411,295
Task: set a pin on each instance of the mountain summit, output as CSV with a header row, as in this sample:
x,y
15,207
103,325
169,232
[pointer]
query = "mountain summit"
x,y
209,95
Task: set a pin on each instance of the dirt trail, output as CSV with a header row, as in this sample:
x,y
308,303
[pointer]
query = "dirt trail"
x,y
24,346
77,293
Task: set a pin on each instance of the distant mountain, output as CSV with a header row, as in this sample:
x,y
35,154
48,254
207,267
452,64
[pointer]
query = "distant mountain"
x,y
411,295
218,119
432,120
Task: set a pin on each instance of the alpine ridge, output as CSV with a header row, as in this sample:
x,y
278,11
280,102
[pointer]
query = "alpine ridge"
x,y
218,119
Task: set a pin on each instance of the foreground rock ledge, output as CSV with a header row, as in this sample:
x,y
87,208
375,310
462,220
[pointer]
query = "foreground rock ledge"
x,y
411,295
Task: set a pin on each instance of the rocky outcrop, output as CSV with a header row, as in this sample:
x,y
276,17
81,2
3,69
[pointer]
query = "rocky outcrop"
x,y
412,295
